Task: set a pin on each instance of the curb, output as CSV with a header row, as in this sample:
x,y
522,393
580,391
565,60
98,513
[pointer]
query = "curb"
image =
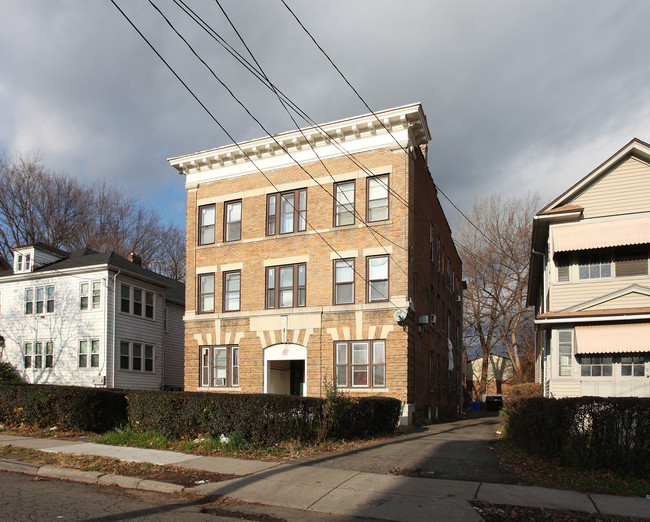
x,y
90,477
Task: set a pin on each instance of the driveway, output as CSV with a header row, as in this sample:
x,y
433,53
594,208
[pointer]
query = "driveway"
x,y
454,450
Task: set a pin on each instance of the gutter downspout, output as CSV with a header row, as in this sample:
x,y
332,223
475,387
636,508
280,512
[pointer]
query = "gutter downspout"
x,y
543,308
114,316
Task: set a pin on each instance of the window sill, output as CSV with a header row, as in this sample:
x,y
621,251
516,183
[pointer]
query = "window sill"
x,y
364,389
219,388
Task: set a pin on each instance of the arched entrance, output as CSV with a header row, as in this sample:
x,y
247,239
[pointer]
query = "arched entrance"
x,y
285,369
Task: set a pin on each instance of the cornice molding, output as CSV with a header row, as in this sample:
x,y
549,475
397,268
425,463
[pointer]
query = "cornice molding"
x,y
406,124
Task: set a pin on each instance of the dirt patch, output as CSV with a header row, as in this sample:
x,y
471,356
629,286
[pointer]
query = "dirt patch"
x,y
171,474
498,513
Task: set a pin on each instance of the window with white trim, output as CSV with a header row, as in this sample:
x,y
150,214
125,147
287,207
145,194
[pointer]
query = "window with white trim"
x,y
232,291
286,286
23,263
360,364
219,366
595,366
565,338
377,270
90,295
377,198
136,356
344,203
633,365
232,225
206,224
206,293
594,265
344,281
88,353
136,301
34,355
39,300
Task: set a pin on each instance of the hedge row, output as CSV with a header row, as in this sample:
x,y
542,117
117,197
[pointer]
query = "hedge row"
x,y
589,432
262,418
259,418
66,407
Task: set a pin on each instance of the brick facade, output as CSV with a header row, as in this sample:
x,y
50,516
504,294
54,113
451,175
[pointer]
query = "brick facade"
x,y
278,349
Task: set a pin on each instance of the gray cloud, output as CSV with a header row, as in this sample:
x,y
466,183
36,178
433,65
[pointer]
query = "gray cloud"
x,y
519,95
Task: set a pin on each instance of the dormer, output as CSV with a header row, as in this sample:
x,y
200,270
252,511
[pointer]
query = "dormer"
x,y
30,257
23,260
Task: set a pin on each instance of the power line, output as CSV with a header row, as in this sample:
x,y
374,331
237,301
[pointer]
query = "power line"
x,y
171,69
489,239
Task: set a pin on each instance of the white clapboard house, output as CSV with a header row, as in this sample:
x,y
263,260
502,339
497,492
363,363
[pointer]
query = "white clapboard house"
x,y
90,319
590,283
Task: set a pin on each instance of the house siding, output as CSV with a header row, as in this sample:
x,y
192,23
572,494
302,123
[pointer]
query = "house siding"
x,y
624,190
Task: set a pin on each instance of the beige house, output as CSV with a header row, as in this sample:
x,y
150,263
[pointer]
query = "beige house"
x,y
323,254
589,282
499,376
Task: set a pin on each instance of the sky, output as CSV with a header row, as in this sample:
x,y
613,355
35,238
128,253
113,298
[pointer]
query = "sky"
x,y
520,96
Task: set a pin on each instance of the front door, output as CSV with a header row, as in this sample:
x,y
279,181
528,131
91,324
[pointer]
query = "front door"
x,y
297,377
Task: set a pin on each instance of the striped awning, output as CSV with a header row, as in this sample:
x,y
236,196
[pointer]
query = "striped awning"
x,y
613,338
584,236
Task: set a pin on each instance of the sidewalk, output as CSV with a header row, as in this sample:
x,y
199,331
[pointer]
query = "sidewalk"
x,y
325,490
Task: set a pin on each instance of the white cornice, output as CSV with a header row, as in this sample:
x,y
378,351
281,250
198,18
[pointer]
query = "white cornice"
x,y
393,128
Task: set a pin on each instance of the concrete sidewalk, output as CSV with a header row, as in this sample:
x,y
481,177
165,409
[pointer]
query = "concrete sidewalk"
x,y
325,490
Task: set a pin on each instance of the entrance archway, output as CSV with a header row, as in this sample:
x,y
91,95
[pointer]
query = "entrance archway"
x,y
285,369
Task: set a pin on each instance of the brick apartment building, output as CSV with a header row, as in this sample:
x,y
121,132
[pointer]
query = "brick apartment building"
x,y
304,252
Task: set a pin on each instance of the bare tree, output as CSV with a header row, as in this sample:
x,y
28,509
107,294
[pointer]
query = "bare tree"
x,y
496,255
37,204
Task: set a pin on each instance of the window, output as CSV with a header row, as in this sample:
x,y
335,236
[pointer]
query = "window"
x,y
137,357
88,353
125,299
39,300
96,297
137,302
285,286
631,261
377,278
28,355
595,366
377,203
360,364
29,301
206,224
232,226
594,265
231,291
83,296
34,354
633,366
85,301
206,293
134,301
49,354
566,352
344,281
219,366
23,262
148,305
286,212
344,204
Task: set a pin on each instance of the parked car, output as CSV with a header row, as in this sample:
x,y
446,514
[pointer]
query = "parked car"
x,y
493,402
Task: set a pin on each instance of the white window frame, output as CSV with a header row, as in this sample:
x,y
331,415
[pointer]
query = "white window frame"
x,y
344,194
565,369
225,375
137,298
88,352
135,351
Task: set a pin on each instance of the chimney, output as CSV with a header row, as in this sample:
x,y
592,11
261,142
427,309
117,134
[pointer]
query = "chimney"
x,y
135,258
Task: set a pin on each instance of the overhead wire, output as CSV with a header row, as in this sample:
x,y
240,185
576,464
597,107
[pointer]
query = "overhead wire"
x,y
203,106
489,239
